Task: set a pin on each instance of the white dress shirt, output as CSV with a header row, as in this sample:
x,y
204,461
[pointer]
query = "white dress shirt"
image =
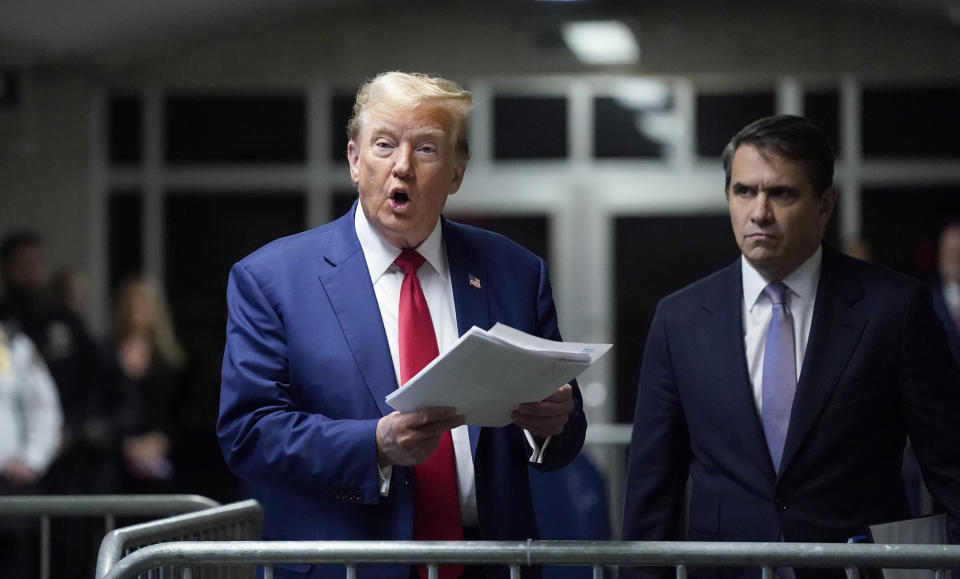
x,y
757,312
434,278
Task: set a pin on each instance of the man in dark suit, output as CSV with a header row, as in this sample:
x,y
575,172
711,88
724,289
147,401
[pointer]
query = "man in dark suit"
x,y
316,340
946,293
788,406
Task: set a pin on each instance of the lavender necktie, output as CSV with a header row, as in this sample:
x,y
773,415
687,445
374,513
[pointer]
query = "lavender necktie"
x,y
779,383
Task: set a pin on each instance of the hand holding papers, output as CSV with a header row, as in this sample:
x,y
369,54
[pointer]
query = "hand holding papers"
x,y
487,374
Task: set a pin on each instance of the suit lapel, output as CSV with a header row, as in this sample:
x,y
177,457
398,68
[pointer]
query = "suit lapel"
x,y
834,332
724,311
468,277
346,281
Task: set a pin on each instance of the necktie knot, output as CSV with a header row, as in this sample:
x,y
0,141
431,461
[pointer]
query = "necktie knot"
x,y
409,261
776,292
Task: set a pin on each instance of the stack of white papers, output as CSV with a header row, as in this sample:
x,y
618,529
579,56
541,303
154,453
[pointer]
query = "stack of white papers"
x,y
487,374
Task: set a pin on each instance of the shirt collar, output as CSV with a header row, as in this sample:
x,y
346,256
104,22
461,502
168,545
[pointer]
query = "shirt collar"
x,y
380,254
802,282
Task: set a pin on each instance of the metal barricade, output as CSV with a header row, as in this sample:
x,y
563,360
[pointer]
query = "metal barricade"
x,y
109,507
680,555
233,522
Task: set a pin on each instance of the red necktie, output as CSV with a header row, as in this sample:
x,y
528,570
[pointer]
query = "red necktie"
x,y
437,509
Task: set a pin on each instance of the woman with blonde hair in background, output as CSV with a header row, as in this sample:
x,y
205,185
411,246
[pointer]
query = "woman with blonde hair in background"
x,y
148,364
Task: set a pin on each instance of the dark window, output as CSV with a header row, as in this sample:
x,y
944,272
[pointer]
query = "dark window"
x,y
902,225
340,113
823,109
720,116
126,235
911,122
205,235
656,256
9,88
126,129
232,129
623,129
529,231
530,127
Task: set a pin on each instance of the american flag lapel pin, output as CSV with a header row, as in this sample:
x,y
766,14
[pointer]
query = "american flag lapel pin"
x,y
474,280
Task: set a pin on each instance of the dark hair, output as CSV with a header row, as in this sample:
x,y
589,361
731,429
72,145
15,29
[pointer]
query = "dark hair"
x,y
16,241
791,136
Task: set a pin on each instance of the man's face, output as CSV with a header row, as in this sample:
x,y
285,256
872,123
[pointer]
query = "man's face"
x,y
24,271
405,166
950,255
777,218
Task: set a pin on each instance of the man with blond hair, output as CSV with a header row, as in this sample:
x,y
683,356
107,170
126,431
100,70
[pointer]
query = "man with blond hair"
x,y
324,324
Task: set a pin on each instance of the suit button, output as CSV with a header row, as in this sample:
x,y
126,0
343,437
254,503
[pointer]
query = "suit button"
x,y
781,504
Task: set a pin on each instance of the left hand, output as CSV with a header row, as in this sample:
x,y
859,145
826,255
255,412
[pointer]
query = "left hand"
x,y
547,417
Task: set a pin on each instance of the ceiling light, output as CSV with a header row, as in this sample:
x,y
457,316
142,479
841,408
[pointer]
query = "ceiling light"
x,y
601,42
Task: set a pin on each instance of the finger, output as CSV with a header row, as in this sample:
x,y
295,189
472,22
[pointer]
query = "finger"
x,y
562,393
546,408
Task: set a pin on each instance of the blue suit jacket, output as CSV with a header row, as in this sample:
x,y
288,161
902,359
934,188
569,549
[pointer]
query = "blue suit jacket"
x,y
306,369
876,370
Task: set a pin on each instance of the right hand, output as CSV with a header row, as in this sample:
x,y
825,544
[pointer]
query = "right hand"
x,y
409,438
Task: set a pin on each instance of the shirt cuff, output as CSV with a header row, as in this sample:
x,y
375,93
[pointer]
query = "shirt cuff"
x,y
383,475
536,456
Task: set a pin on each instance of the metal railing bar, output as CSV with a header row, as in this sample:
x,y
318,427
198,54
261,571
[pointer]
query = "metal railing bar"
x,y
582,553
101,505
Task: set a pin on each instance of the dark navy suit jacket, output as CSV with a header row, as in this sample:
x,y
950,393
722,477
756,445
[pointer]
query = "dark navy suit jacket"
x,y
876,370
306,369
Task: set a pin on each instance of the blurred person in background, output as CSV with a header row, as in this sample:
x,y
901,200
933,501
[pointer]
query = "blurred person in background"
x,y
83,464
68,286
946,293
71,354
30,431
146,363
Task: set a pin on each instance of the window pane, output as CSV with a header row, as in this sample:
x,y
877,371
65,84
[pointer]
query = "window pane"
x,y
529,231
342,108
680,250
720,116
530,127
639,124
126,235
911,122
231,129
125,131
823,109
902,225
9,89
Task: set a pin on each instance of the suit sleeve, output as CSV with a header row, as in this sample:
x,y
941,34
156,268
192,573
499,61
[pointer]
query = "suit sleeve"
x,y
930,387
658,457
263,435
563,448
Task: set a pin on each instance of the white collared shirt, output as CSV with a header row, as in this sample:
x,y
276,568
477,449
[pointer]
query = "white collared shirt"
x,y
434,278
757,311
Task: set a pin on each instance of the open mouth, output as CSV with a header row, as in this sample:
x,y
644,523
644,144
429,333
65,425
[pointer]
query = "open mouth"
x,y
399,199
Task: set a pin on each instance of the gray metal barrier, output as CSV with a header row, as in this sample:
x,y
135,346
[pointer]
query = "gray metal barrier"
x,y
109,507
681,555
232,522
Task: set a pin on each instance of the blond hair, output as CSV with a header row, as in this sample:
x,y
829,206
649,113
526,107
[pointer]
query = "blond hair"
x,y
161,334
396,92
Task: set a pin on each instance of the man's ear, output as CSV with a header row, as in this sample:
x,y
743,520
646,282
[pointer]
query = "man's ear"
x,y
353,157
828,201
459,170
